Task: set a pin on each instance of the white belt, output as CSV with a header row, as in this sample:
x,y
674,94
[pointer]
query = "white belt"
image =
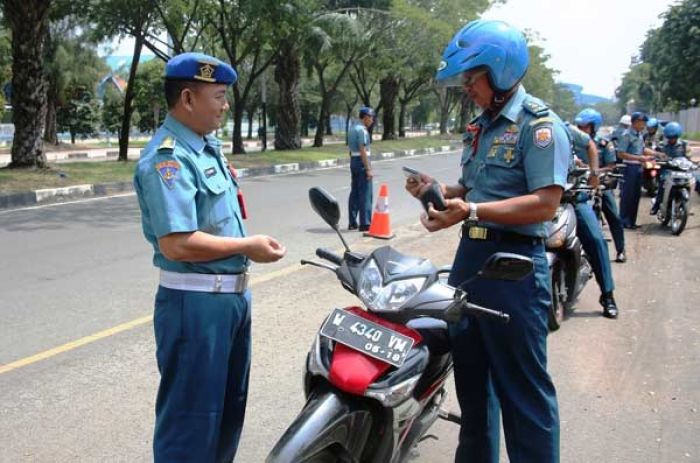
x,y
357,153
203,282
625,161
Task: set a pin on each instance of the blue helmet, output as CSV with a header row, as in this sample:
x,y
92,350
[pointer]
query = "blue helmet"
x,y
494,45
673,130
366,111
589,116
639,116
652,123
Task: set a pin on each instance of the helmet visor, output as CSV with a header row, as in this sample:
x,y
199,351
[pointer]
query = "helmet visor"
x,y
463,79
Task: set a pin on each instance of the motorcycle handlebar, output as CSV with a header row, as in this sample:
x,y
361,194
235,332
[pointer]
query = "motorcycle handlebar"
x,y
478,310
329,255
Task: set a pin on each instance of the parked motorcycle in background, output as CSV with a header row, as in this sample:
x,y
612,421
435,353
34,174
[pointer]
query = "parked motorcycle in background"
x,y
675,204
375,378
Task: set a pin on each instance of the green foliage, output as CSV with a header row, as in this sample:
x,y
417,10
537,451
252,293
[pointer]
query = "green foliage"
x,y
112,110
610,111
149,98
563,102
672,52
81,114
636,89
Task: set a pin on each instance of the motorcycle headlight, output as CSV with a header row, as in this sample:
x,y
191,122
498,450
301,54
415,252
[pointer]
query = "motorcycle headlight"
x,y
376,296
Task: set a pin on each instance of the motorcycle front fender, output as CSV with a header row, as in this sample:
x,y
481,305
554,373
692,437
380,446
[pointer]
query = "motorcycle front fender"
x,y
330,421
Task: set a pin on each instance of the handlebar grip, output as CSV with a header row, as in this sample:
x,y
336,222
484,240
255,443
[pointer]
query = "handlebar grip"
x,y
477,310
329,255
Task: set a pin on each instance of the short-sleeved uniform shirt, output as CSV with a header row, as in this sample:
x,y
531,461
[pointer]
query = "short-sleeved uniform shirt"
x,y
677,150
183,185
606,153
525,148
631,142
359,136
579,141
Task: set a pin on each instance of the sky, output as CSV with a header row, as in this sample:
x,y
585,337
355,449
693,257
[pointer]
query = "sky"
x,y
590,42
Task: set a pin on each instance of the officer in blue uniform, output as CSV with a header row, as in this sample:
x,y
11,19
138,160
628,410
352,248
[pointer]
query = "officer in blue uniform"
x,y
360,199
673,148
633,153
192,217
589,121
588,228
514,168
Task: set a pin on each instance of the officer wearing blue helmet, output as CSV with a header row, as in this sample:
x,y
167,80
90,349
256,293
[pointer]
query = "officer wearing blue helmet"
x,y
192,215
513,171
360,199
650,133
589,121
633,153
673,148
588,228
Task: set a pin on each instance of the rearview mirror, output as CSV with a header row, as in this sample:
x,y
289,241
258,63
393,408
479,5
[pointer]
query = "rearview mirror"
x,y
507,266
325,205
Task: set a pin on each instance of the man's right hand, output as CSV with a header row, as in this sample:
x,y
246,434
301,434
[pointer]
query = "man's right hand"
x,y
264,249
416,185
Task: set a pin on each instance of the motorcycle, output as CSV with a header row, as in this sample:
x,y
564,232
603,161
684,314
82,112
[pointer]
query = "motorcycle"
x,y
569,267
675,204
650,177
375,378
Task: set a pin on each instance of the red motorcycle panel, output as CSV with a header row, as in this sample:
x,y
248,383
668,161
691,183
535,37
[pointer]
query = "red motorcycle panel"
x,y
352,371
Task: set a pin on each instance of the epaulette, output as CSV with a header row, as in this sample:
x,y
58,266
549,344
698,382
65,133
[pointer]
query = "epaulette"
x,y
168,143
536,108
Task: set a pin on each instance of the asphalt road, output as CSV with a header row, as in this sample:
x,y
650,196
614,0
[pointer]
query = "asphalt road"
x,y
629,389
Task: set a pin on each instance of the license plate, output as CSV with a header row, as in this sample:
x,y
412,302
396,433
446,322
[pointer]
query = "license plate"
x,y
370,338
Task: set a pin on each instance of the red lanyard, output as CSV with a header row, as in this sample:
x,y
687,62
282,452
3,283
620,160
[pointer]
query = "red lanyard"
x,y
474,130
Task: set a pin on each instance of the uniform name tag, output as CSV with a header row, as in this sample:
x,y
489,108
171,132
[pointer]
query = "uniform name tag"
x,y
210,172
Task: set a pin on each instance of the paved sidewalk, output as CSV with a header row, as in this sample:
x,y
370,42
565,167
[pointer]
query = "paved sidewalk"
x,y
52,195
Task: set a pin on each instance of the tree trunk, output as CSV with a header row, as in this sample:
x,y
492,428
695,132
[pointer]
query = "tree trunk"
x,y
305,119
389,89
287,76
329,129
72,136
321,124
51,129
251,116
128,100
402,118
28,20
237,145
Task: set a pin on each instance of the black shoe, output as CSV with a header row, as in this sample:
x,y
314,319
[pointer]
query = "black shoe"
x,y
352,227
609,306
364,228
621,257
654,210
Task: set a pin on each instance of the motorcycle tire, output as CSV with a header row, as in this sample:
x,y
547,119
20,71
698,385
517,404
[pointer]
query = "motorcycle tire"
x,y
679,216
555,317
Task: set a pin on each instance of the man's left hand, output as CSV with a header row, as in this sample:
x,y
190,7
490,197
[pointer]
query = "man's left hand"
x,y
457,210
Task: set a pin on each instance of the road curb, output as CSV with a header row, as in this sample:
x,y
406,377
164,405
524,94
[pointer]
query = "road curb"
x,y
56,195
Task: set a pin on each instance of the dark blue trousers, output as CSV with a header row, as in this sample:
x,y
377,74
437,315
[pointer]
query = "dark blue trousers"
x,y
504,365
631,193
612,217
360,200
591,235
660,192
203,352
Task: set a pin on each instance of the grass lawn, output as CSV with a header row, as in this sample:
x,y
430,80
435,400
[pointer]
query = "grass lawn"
x,y
76,173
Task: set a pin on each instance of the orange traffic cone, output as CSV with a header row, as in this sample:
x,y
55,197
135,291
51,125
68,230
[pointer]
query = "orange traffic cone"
x,y
380,227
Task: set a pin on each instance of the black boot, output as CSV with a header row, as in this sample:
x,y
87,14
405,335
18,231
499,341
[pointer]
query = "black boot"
x,y
609,306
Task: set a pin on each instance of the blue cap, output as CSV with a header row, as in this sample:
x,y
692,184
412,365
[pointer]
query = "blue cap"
x,y
366,111
198,67
639,116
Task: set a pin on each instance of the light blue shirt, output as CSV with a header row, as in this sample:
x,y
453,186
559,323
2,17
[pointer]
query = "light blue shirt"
x,y
359,136
183,185
677,150
606,152
525,148
579,142
631,142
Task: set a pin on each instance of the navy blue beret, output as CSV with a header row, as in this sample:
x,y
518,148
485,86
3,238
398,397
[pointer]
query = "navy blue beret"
x,y
198,67
639,116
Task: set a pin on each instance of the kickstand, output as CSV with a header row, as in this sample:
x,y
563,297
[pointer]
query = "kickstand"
x,y
449,416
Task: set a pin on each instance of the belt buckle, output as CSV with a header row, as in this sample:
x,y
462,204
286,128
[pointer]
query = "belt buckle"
x,y
478,233
218,283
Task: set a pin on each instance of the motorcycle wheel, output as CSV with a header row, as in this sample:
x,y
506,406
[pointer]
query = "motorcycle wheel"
x,y
555,317
679,216
651,186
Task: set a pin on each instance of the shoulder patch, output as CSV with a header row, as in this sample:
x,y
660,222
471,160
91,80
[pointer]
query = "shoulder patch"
x,y
542,136
168,143
168,172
